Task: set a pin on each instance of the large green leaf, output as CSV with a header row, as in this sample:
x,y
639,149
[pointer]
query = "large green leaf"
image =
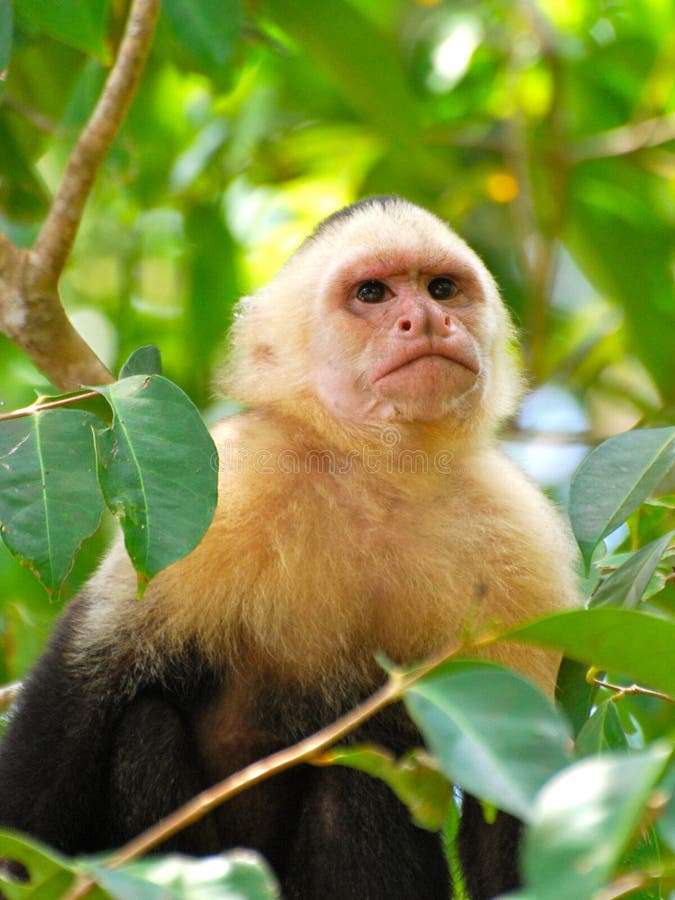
x,y
583,819
49,498
79,23
144,361
620,640
493,732
602,731
613,481
361,60
157,467
235,875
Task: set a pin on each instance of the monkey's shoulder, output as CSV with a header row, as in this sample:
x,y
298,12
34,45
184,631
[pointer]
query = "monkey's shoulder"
x,y
509,493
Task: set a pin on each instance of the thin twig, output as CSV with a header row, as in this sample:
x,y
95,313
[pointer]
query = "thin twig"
x,y
37,119
57,235
621,141
632,690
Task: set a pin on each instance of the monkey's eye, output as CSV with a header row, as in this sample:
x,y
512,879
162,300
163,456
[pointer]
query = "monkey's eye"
x,y
372,292
442,288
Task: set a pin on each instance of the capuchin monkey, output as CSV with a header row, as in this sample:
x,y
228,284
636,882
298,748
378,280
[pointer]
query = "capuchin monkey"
x,y
364,509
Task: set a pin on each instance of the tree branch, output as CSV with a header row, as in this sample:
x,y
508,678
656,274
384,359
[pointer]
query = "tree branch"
x,y
31,312
34,318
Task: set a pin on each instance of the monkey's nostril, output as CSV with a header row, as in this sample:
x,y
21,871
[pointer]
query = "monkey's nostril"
x,y
405,325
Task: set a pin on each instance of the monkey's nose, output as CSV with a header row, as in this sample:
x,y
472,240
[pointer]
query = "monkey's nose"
x,y
426,321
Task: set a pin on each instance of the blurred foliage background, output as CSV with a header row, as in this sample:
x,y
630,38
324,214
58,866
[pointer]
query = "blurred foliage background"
x,y
542,130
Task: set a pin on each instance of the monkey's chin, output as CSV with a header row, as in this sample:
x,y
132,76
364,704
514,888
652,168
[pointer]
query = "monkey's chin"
x,y
427,391
426,410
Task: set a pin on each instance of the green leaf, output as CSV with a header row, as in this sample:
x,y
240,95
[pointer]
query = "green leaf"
x,y
626,586
206,30
614,480
493,732
602,732
583,820
619,640
414,778
49,498
573,693
144,361
158,468
234,875
50,873
78,23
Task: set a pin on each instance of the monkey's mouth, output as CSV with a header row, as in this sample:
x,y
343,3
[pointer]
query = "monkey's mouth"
x,y
451,354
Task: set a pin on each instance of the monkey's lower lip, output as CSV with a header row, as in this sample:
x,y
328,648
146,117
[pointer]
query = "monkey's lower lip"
x,y
466,364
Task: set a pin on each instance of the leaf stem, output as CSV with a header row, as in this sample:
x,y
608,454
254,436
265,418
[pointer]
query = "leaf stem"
x,y
39,406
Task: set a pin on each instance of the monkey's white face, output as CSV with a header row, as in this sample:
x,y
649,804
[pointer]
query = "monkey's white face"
x,y
401,340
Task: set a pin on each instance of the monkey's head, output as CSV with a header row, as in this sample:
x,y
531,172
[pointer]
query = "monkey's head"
x,y
382,315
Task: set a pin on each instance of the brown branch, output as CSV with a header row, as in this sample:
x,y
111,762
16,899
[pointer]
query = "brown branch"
x,y
34,318
302,752
31,312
